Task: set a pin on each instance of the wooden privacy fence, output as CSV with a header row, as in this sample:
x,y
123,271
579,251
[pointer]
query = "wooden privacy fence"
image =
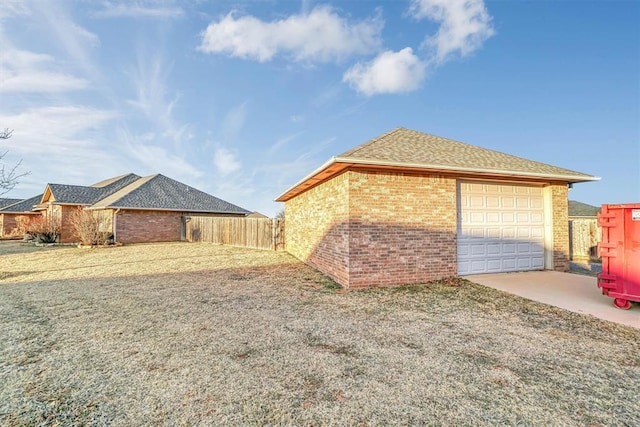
x,y
584,235
258,233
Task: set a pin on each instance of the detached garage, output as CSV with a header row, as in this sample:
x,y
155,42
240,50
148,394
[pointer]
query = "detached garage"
x,y
408,207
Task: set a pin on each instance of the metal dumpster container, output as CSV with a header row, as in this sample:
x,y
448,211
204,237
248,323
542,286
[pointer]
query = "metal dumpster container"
x,y
620,253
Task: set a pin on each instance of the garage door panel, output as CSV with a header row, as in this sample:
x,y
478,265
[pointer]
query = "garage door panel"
x,y
536,218
478,250
494,265
508,248
508,202
492,217
508,264
494,249
501,228
494,233
538,263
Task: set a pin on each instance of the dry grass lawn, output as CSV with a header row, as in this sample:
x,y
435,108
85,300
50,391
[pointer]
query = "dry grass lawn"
x,y
197,334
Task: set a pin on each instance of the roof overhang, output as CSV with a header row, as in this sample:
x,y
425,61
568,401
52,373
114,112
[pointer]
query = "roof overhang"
x,y
20,213
337,165
129,208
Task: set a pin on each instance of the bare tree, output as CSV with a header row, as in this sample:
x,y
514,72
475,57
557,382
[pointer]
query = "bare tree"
x,y
9,177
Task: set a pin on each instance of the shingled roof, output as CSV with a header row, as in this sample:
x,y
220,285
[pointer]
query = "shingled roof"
x,y
408,149
22,206
82,195
578,209
7,202
158,192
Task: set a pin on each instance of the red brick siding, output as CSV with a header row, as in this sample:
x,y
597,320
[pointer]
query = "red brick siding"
x,y
376,229
402,228
7,223
67,231
560,215
134,226
317,228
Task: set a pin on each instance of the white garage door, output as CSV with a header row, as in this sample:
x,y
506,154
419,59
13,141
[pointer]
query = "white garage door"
x,y
500,228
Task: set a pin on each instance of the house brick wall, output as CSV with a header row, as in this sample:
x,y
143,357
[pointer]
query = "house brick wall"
x,y
317,228
8,223
67,231
133,226
366,228
402,228
560,216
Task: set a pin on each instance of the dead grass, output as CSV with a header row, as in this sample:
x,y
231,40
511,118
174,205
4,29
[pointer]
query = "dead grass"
x,y
196,334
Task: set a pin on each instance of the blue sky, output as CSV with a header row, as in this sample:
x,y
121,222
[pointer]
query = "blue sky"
x,y
243,98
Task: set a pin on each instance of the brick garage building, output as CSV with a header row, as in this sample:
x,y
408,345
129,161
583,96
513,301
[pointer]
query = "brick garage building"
x,y
135,209
409,207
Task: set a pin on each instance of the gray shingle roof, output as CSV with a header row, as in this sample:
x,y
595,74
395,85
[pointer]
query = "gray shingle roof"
x,y
408,149
21,206
578,209
7,202
412,148
163,193
82,195
130,177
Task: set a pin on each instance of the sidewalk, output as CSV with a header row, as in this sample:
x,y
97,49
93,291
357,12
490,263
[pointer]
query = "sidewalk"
x,y
573,292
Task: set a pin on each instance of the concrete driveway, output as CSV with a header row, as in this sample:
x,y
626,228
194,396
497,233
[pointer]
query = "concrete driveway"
x,y
573,292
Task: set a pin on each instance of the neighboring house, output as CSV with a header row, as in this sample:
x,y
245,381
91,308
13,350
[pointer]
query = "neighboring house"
x,y
257,214
584,233
136,209
579,210
408,207
9,213
6,202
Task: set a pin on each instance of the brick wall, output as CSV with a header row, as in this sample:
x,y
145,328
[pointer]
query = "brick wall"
x,y
376,228
402,229
134,226
317,228
8,223
560,227
67,232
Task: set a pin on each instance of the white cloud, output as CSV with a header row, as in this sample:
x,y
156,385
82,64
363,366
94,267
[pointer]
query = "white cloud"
x,y
234,121
60,144
77,42
318,36
284,141
11,8
152,100
225,161
389,72
465,25
27,72
47,129
138,10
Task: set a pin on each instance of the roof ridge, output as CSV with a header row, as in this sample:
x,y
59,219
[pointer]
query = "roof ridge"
x,y
371,141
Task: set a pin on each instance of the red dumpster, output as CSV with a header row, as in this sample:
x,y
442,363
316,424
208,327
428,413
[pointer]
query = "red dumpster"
x,y
620,253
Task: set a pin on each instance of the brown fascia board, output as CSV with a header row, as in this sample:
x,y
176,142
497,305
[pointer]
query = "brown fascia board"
x,y
20,213
328,171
